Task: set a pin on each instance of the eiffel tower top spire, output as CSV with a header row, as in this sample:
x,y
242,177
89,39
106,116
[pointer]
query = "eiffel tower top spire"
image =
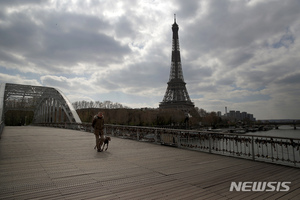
x,y
176,95
176,70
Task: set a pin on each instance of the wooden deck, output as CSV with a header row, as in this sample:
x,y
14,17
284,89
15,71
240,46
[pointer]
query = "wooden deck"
x,y
51,163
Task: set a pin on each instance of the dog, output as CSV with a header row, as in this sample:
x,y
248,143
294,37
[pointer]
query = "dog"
x,y
105,142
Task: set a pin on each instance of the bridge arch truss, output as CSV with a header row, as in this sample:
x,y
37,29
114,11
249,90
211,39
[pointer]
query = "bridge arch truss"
x,y
48,104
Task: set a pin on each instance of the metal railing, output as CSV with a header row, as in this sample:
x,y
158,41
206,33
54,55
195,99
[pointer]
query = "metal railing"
x,y
277,150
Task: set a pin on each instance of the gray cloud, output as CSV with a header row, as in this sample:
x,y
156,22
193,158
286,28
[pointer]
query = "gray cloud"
x,y
14,3
292,79
138,78
187,8
57,41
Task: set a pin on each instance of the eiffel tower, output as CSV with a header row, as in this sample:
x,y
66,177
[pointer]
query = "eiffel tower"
x,y
176,95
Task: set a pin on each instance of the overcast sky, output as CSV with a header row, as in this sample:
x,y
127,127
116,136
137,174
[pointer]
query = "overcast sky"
x,y
243,54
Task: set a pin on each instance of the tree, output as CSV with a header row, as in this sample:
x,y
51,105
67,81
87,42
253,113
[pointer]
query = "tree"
x,y
97,104
211,119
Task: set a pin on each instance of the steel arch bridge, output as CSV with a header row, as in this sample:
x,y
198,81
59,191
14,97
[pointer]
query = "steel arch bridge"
x,y
48,104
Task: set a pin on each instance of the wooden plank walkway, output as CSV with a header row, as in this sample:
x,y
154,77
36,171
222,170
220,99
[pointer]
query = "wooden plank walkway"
x,y
51,163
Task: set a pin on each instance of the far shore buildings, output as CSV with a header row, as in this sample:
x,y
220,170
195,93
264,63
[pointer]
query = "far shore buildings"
x,y
235,115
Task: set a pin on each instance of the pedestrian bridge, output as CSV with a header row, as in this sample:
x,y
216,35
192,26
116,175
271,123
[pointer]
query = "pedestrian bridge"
x,y
55,163
48,104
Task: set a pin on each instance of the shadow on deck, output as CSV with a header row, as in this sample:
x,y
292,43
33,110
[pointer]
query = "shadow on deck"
x,y
52,163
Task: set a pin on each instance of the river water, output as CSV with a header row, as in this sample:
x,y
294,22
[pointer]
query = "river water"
x,y
283,131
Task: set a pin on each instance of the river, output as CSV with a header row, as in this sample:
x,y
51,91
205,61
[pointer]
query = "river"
x,y
283,131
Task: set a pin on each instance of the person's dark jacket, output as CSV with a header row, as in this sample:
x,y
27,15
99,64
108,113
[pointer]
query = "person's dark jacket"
x,y
98,123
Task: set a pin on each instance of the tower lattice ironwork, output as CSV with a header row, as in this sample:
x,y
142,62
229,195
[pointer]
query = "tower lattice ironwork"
x,y
176,95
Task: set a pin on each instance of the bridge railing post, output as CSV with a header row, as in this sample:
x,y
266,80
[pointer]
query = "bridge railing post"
x,y
272,154
294,156
178,139
252,144
209,142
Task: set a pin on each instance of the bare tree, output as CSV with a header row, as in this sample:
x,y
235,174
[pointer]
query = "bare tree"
x,y
97,104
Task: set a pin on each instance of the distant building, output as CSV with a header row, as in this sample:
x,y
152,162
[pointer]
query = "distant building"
x,y
243,115
231,115
250,117
239,116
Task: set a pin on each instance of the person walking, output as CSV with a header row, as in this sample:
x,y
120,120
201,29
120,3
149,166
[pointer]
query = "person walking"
x,y
98,125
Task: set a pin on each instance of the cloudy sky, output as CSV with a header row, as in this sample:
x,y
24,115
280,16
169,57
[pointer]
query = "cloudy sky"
x,y
243,54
